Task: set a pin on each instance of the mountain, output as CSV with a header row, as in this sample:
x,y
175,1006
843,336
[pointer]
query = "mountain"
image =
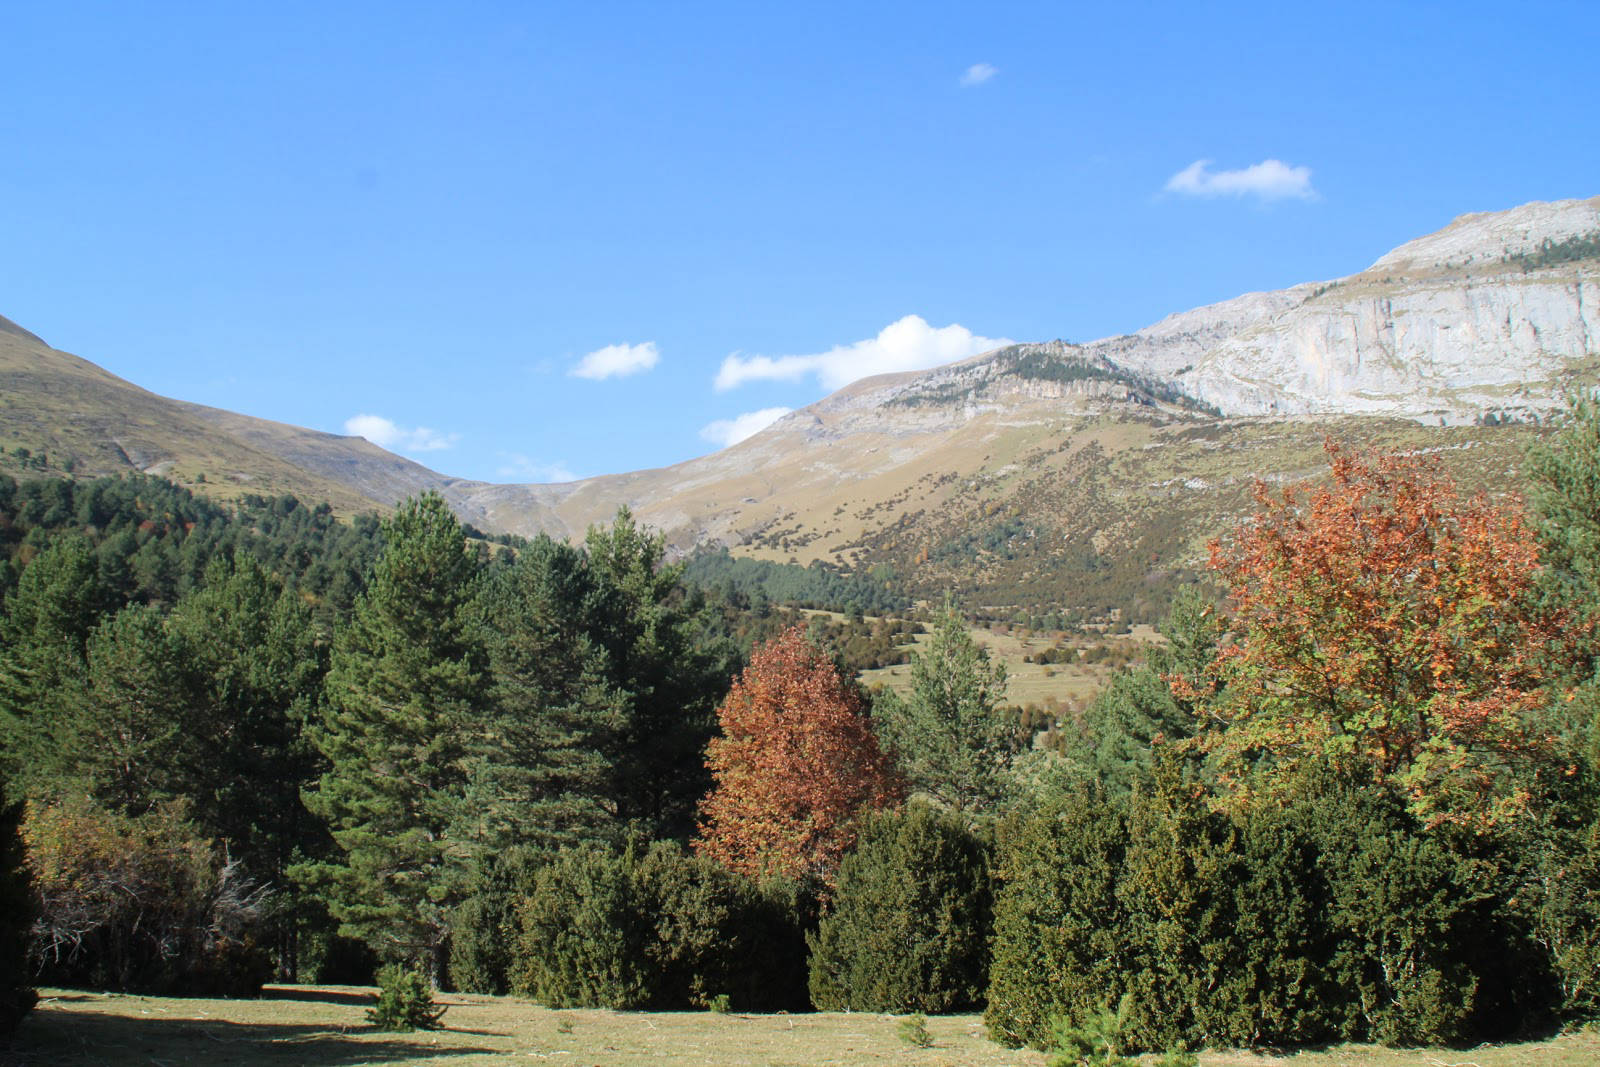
x,y
1494,312
1033,475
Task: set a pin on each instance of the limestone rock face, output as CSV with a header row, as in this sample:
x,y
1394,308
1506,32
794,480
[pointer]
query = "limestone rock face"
x,y
1447,326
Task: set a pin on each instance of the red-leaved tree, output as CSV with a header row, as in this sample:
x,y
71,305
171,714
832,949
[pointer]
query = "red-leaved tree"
x,y
1386,618
796,767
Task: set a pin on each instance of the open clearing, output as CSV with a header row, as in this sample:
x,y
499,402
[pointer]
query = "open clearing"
x,y
326,1025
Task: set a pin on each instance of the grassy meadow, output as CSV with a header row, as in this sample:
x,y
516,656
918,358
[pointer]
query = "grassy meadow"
x,y
325,1026
1067,685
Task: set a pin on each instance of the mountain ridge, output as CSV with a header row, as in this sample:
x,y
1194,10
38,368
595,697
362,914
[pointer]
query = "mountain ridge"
x,y
1053,452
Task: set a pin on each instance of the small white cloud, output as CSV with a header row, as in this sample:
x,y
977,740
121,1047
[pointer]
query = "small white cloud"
x,y
725,432
909,344
617,361
977,74
386,434
525,469
1271,179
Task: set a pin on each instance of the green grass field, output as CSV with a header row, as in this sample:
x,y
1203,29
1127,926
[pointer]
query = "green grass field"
x,y
325,1026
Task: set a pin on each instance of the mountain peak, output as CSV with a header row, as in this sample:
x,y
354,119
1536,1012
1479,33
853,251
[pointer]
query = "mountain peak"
x,y
1490,235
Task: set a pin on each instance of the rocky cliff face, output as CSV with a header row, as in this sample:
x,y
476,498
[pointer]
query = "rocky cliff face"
x,y
1496,312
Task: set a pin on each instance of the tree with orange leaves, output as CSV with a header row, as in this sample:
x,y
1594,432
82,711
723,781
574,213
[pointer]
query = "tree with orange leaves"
x,y
796,767
1381,619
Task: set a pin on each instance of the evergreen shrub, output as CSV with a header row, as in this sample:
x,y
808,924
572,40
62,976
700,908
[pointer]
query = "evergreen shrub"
x,y
657,929
17,997
1058,947
483,928
909,922
1336,917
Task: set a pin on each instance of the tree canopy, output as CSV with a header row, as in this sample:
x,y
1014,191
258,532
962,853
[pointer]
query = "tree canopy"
x,y
1381,617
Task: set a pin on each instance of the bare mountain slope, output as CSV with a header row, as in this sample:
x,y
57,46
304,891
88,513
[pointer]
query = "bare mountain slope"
x,y
1030,473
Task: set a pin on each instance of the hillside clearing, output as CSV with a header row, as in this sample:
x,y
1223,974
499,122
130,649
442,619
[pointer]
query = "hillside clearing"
x,y
326,1025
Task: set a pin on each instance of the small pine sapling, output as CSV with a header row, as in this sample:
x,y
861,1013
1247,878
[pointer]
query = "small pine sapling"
x,y
914,1031
405,1001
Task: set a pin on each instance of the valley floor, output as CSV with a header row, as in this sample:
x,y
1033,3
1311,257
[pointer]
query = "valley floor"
x,y
326,1025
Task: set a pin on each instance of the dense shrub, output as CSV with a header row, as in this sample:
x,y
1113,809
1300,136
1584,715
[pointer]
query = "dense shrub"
x,y
909,922
581,939
656,929
1336,917
483,928
1561,890
16,916
1409,917
1057,918
140,904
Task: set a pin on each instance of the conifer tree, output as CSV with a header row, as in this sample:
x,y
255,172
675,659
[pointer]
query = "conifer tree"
x,y
404,692
58,600
909,923
947,733
667,682
258,667
543,774
1117,736
126,733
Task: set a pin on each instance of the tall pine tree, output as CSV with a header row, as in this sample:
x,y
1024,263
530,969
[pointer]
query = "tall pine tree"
x,y
405,693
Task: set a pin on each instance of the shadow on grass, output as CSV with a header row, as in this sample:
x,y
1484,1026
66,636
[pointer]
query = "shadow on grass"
x,y
65,1037
318,996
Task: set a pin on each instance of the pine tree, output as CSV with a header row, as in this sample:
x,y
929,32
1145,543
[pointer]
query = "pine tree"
x,y
1116,741
667,682
544,773
253,650
58,600
404,695
947,733
127,733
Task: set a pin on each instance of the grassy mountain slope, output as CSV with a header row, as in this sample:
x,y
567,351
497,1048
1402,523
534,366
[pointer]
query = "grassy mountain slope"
x,y
85,421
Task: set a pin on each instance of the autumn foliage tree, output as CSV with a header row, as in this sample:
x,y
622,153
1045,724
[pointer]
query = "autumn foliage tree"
x,y
796,767
1384,619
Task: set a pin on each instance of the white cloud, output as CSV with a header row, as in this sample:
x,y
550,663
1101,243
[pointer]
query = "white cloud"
x,y
1271,179
525,469
617,361
977,74
385,434
725,432
909,344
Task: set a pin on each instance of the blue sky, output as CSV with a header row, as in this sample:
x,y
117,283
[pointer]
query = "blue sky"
x,y
531,241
